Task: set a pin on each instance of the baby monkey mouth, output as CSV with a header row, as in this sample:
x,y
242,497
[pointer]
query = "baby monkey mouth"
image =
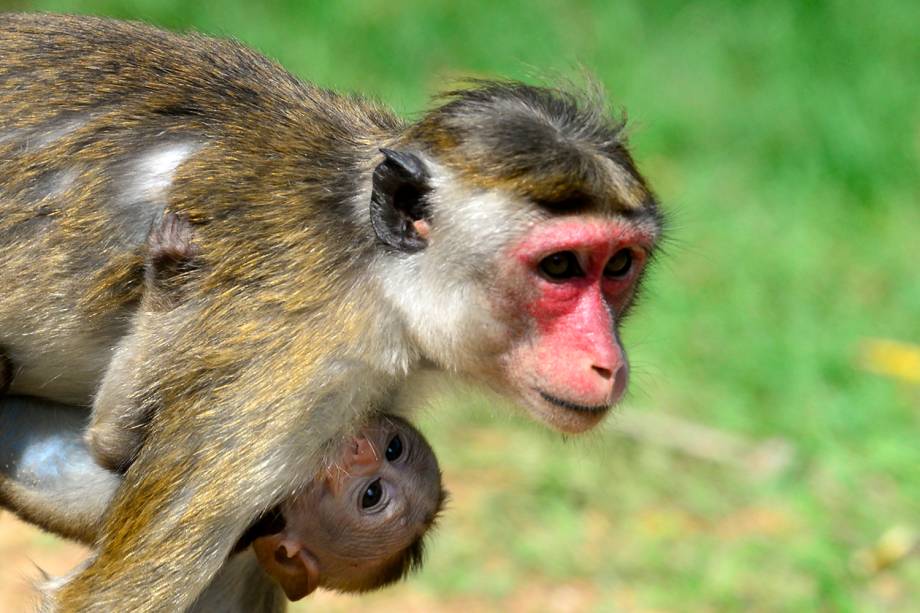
x,y
566,404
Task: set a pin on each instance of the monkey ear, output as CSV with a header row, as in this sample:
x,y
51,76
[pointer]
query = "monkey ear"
x,y
398,213
288,563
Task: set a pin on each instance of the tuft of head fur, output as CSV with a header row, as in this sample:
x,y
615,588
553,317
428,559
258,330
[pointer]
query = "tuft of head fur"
x,y
551,145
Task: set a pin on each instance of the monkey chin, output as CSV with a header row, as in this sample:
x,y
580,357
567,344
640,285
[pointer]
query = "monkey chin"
x,y
563,415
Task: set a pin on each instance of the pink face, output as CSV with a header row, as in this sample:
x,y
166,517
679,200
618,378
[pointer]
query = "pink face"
x,y
569,280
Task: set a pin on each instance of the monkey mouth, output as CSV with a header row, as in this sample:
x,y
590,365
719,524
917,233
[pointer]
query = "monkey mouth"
x,y
573,406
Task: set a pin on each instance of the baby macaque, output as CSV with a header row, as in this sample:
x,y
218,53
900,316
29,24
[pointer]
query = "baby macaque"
x,y
357,526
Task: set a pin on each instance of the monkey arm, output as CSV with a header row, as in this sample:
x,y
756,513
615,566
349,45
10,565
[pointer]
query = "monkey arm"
x,y
241,586
201,477
118,425
165,543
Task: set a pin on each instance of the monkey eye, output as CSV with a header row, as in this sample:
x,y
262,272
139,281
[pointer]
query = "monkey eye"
x,y
560,266
619,264
394,449
372,495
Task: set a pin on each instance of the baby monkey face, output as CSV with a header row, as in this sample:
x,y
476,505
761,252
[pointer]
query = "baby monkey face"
x,y
359,524
377,473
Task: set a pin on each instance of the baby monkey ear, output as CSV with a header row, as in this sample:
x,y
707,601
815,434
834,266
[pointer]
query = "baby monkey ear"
x,y
288,563
399,212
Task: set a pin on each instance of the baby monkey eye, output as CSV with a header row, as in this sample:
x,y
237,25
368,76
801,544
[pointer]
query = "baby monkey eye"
x,y
560,266
372,495
619,264
394,449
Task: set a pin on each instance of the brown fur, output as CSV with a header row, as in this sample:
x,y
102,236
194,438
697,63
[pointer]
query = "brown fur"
x,y
285,295
277,345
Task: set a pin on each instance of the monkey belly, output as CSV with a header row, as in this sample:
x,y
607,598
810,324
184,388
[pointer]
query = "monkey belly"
x,y
58,336
65,369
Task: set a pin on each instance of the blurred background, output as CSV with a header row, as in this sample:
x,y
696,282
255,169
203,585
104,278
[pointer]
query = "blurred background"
x,y
768,455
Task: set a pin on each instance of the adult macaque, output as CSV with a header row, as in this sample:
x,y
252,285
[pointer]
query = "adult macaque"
x,y
501,238
357,526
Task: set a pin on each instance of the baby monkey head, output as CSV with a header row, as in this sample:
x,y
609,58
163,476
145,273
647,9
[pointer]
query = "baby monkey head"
x,y
360,524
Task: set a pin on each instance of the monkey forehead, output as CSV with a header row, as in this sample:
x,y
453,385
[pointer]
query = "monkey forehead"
x,y
559,179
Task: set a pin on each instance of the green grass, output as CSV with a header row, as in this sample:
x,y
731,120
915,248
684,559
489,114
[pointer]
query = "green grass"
x,y
784,138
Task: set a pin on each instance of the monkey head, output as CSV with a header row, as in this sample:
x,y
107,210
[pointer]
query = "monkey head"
x,y
516,230
360,524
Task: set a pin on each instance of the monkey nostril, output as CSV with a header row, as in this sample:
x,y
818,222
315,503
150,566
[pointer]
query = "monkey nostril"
x,y
605,373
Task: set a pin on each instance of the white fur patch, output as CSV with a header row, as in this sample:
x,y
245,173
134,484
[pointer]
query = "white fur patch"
x,y
152,172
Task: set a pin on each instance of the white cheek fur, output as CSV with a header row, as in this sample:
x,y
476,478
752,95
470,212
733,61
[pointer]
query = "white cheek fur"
x,y
441,291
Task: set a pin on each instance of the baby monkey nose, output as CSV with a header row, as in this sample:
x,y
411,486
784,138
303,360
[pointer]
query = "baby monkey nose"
x,y
363,452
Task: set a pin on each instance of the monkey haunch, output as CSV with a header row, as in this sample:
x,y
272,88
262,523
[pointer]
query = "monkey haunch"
x,y
501,238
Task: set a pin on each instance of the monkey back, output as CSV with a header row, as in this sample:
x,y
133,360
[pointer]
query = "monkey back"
x,y
104,125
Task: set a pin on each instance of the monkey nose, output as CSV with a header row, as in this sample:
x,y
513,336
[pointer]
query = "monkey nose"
x,y
362,453
606,384
605,371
